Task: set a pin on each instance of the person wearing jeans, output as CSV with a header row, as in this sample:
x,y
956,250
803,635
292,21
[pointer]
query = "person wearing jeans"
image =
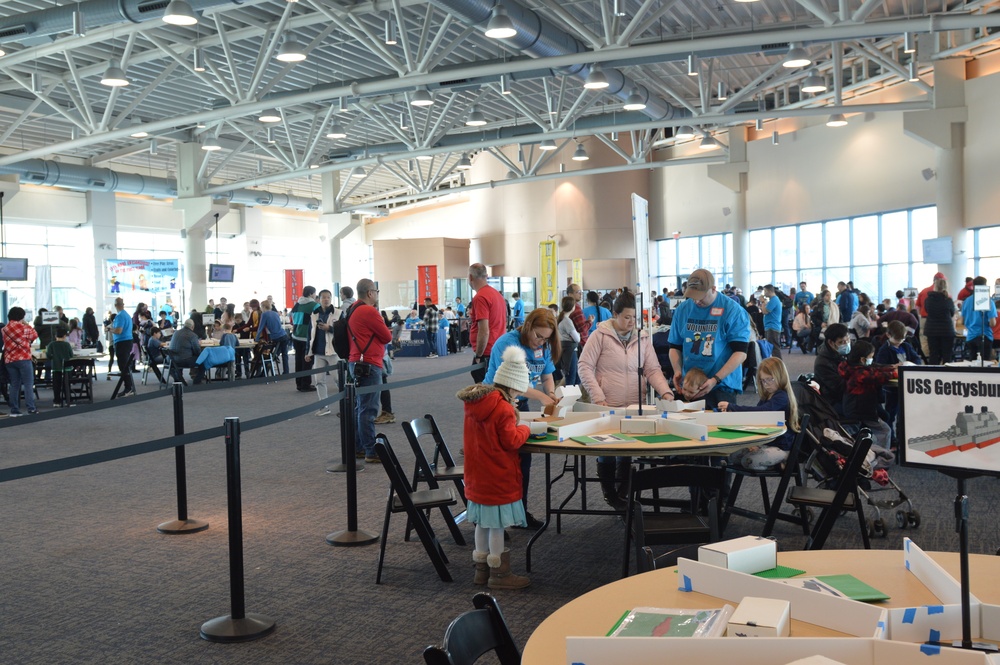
x,y
121,329
17,339
368,337
320,345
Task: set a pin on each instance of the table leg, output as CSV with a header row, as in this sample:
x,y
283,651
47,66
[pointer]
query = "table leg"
x,y
548,513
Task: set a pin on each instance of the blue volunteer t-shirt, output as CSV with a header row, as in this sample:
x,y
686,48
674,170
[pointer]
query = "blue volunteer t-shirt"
x,y
518,312
123,321
803,297
773,318
974,320
599,313
704,333
539,360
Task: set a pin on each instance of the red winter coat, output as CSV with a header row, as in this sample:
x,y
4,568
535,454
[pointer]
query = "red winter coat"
x,y
492,439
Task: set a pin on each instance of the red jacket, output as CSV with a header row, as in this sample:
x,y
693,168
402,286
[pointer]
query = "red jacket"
x,y
366,324
492,439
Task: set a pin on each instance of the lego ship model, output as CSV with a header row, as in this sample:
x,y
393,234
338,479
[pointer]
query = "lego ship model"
x,y
971,430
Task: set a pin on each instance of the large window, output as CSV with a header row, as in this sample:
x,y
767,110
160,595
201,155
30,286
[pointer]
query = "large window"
x,y
678,258
72,269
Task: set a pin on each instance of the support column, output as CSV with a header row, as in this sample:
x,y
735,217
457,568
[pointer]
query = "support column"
x,y
733,175
338,225
103,223
253,237
943,128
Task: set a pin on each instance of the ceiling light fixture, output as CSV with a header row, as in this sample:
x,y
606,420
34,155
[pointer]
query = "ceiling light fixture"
x,y
153,148
814,83
614,136
547,144
269,137
511,175
723,92
500,26
684,132
356,172
759,125
270,115
337,131
199,59
421,97
616,9
79,25
692,64
775,138
36,82
402,121
708,143
796,57
137,133
476,117
424,158
464,164
504,85
909,43
635,101
390,32
596,80
114,76
914,76
291,51
200,124
836,120
580,154
179,12
210,145
342,108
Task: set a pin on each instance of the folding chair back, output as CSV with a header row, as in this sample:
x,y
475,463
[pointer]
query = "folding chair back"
x,y
473,634
80,378
427,471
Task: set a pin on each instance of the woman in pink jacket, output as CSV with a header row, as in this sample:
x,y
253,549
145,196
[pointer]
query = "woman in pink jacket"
x,y
609,370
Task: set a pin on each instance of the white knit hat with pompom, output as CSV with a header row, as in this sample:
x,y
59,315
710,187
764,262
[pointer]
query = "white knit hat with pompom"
x,y
513,371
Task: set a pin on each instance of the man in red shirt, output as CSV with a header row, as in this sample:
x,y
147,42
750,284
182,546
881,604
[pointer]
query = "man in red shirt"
x,y
17,339
580,322
921,298
369,335
487,318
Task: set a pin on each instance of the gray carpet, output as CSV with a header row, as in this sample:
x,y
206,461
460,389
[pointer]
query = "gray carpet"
x,y
86,577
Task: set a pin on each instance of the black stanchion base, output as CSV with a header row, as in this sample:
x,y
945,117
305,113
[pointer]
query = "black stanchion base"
x,y
342,468
182,526
228,629
347,538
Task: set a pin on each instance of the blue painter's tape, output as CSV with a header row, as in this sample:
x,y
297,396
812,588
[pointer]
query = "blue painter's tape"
x,y
881,624
909,614
685,583
935,636
627,417
704,438
781,423
907,542
907,564
935,609
930,649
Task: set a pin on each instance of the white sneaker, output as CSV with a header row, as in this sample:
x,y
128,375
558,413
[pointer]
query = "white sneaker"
x,y
325,411
432,355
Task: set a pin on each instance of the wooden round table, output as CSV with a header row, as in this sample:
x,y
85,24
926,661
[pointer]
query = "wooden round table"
x,y
595,612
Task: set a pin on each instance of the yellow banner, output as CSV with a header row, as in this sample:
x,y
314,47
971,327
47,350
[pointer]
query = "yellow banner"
x,y
578,272
549,271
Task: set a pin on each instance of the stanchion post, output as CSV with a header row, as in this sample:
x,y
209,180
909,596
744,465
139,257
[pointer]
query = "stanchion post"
x,y
237,626
351,536
182,524
346,412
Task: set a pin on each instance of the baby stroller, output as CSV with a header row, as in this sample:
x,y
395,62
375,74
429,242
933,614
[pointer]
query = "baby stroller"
x,y
829,444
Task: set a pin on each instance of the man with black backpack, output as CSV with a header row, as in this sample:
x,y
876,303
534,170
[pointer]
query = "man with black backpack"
x,y
368,336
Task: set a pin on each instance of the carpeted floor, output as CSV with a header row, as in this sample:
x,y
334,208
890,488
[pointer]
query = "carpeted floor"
x,y
86,577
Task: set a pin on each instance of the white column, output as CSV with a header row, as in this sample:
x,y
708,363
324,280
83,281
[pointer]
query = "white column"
x,y
103,223
253,237
338,225
733,175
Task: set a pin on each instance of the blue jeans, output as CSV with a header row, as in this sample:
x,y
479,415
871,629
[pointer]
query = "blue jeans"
x,y
281,349
432,340
366,409
22,373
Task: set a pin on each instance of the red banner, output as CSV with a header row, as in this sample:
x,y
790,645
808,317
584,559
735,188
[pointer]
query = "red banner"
x,y
293,287
427,284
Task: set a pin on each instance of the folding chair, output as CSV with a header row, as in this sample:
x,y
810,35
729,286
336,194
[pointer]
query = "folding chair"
x,y
684,528
403,499
772,510
833,501
475,633
81,375
432,474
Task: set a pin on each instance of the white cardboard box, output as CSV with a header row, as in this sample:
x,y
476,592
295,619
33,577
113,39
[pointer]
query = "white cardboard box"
x,y
749,554
638,426
760,617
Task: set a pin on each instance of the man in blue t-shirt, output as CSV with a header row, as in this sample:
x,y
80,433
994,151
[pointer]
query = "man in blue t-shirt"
x,y
773,319
517,314
593,312
803,296
711,332
975,331
121,329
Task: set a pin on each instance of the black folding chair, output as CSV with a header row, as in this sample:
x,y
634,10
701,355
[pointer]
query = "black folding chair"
x,y
80,376
685,527
834,501
433,473
474,634
772,508
403,499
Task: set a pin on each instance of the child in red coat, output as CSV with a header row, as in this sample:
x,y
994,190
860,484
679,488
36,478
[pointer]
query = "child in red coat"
x,y
493,436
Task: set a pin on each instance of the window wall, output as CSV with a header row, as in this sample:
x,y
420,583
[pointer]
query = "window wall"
x,y
676,259
72,266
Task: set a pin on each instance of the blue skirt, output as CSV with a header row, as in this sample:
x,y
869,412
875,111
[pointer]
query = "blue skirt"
x,y
497,517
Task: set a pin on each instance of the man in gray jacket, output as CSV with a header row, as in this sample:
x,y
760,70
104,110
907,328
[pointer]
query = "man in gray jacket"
x,y
184,352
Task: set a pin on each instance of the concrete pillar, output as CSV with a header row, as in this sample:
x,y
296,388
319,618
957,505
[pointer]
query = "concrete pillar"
x,y
338,225
103,223
253,237
733,174
199,216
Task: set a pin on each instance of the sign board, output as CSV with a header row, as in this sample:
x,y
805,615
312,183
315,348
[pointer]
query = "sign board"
x,y
128,275
578,272
293,287
427,284
981,296
640,229
549,272
50,318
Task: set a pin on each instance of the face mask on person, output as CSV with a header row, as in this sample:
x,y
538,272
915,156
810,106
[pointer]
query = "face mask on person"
x,y
868,361
844,349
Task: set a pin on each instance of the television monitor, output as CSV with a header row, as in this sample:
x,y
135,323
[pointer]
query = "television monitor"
x,y
13,270
938,250
948,419
220,272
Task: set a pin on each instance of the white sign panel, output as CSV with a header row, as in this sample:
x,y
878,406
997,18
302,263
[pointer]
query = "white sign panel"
x,y
640,226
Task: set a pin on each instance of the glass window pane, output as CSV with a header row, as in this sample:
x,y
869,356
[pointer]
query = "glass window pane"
x,y
989,243
711,254
895,243
838,248
667,257
923,225
865,231
866,280
895,277
784,248
923,275
990,267
811,246
813,277
757,281
785,280
760,250
729,253
688,260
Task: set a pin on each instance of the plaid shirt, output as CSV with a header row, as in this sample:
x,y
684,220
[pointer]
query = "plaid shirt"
x,y
581,323
17,339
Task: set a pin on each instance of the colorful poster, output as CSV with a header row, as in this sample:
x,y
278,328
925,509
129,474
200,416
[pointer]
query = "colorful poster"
x,y
578,272
127,275
548,270
293,287
427,284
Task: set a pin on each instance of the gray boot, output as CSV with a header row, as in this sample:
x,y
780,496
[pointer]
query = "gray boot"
x,y
623,468
606,474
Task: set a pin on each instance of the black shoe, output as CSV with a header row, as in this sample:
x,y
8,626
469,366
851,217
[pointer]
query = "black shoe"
x,y
533,522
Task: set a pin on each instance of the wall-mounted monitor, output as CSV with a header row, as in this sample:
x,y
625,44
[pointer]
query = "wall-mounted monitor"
x,y
13,270
938,250
948,418
220,272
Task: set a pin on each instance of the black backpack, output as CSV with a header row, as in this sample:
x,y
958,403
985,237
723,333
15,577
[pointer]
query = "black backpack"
x,y
342,334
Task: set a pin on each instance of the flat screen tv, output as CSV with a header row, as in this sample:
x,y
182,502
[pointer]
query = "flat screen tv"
x,y
938,250
220,272
13,270
948,418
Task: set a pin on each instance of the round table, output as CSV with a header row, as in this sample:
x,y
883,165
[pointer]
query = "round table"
x,y
595,612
